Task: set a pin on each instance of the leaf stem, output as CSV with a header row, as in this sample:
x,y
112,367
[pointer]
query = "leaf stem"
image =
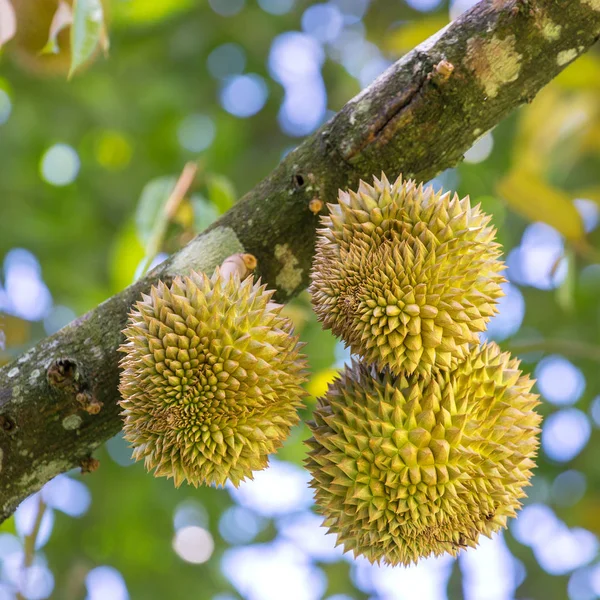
x,y
190,170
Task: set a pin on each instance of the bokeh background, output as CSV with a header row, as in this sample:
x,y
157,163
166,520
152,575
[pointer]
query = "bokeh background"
x,y
234,84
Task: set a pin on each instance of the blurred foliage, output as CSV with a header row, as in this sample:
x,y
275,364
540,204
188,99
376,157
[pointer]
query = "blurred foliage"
x,y
123,115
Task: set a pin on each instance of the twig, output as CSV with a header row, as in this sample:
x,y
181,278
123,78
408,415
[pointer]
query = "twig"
x,y
29,543
572,348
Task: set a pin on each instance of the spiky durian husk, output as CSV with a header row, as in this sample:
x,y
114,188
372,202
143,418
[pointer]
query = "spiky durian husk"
x,y
406,276
211,379
408,466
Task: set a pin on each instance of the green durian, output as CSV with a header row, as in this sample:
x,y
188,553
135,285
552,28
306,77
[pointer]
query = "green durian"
x,y
211,379
408,466
406,276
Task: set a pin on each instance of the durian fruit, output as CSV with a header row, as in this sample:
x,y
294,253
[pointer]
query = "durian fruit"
x,y
408,466
406,276
211,379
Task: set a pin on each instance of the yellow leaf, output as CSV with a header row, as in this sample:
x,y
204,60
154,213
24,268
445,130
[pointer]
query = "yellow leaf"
x,y
185,214
317,386
533,198
584,73
13,331
409,35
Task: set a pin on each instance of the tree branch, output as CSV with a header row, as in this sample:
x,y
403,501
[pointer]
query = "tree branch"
x,y
58,402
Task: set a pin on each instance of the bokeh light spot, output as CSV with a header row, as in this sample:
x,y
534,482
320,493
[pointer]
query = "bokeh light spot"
x,y
239,525
480,150
305,531
565,434
190,513
5,107
193,544
272,572
458,7
595,410
279,489
424,5
227,8
508,319
276,7
489,570
589,212
226,60
324,22
67,495
106,582
113,150
559,381
60,165
244,95
568,488
57,318
25,294
196,132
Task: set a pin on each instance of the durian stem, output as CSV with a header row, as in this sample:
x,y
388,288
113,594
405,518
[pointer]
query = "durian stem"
x,y
503,53
240,264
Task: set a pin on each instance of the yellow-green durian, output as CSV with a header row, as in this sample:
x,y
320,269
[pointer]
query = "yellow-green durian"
x,y
406,276
211,379
408,466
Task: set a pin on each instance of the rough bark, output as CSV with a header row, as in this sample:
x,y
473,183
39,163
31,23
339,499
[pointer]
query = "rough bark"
x,y
58,402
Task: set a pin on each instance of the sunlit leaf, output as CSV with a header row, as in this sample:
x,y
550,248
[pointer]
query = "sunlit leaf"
x,y
409,35
63,18
221,192
531,197
184,215
144,11
150,215
127,253
8,21
87,32
550,129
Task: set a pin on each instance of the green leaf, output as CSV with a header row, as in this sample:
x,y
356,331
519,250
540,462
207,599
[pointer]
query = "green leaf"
x,y
150,216
221,192
205,213
87,32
